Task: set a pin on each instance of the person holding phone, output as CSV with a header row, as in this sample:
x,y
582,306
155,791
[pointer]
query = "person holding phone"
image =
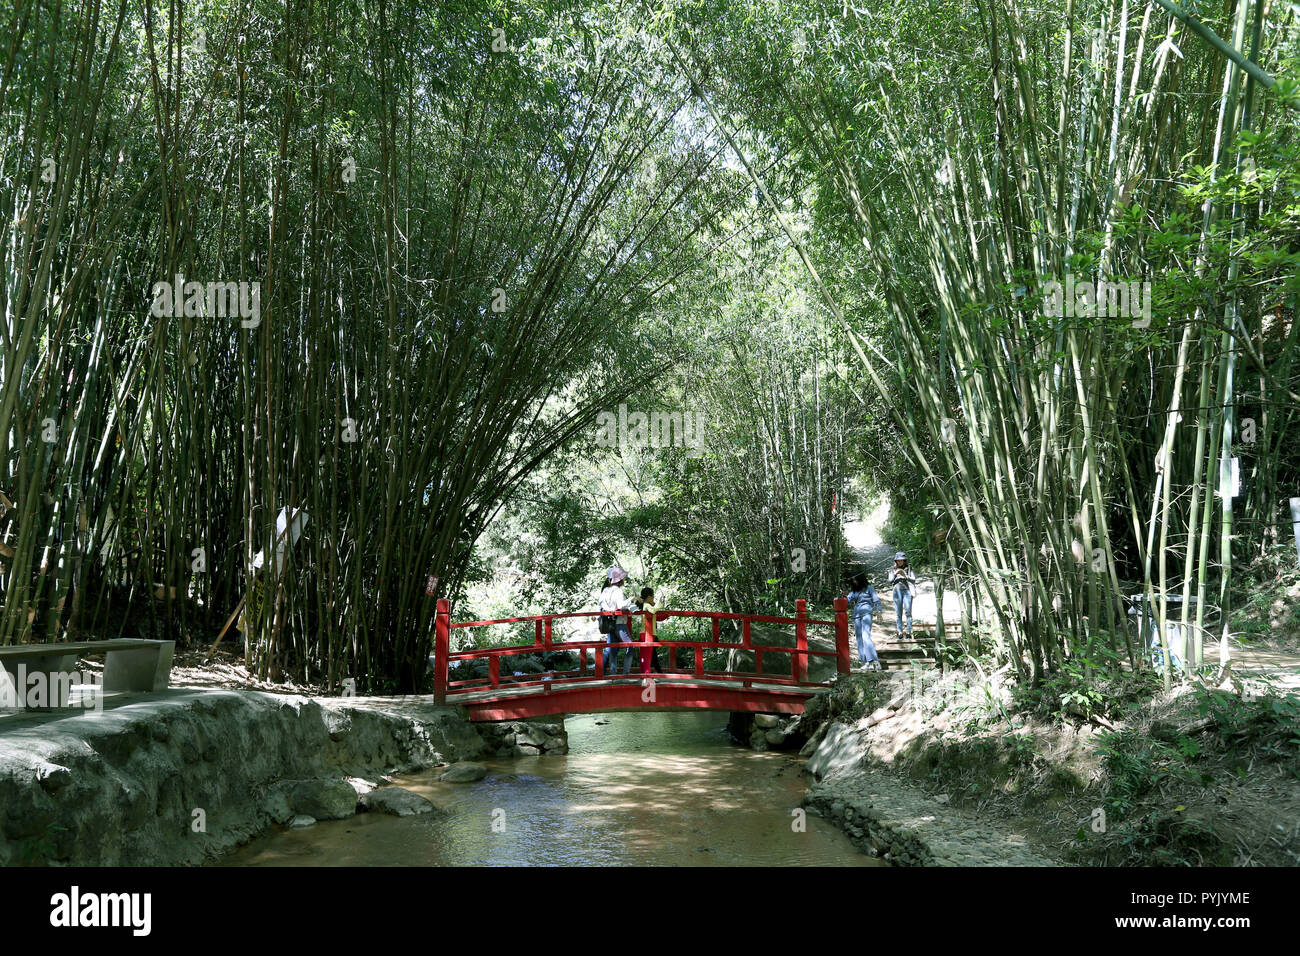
x,y
613,600
902,579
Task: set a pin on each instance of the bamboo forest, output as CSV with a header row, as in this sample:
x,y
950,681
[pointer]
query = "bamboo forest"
x,y
743,433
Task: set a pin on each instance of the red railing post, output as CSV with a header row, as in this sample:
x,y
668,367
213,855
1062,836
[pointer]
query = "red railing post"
x,y
441,650
842,635
799,660
746,641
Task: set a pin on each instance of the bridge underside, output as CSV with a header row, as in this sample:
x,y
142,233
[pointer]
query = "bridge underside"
x,y
629,696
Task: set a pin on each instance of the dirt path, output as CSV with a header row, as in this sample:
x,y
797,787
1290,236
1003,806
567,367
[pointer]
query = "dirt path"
x,y
1277,669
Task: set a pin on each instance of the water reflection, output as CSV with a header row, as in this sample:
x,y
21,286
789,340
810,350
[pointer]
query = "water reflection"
x,y
665,789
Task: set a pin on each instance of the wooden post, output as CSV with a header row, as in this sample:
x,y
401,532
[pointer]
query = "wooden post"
x,y
441,649
799,660
494,670
670,658
842,635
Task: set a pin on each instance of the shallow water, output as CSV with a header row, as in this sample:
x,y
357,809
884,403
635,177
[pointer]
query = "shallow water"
x,y
658,789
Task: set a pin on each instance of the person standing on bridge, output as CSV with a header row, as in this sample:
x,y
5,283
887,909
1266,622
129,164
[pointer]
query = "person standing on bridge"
x,y
863,601
612,600
649,655
903,580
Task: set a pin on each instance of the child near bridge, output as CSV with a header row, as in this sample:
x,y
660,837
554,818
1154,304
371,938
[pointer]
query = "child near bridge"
x,y
863,601
649,655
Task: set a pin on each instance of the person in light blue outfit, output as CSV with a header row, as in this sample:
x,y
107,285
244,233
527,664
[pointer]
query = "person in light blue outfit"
x,y
863,601
903,580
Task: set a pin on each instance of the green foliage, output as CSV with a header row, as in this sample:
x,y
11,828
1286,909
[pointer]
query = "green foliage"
x,y
749,521
907,527
464,253
1141,768
1268,721
1088,686
583,174
1137,765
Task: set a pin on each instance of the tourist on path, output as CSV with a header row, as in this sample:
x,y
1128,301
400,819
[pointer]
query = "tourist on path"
x,y
613,599
863,601
649,655
903,581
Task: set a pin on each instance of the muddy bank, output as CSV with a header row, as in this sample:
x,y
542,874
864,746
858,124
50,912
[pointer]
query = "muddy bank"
x,y
186,775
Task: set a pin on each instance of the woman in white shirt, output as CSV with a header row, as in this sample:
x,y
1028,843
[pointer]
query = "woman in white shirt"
x,y
612,599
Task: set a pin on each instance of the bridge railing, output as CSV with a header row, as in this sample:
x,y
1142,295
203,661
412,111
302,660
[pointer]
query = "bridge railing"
x,y
447,685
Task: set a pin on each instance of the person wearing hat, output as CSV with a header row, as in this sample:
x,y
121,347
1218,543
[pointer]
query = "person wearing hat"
x,y
903,580
612,600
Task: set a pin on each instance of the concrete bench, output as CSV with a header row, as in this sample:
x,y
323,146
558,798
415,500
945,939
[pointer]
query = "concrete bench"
x,y
131,665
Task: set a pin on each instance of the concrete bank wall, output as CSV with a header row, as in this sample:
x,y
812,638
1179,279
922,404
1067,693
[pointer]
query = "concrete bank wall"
x,y
183,776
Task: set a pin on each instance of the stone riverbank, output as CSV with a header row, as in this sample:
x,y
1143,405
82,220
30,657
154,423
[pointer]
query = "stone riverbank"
x,y
183,776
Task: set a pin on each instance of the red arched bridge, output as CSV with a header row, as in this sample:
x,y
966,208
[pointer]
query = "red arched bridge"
x,y
504,694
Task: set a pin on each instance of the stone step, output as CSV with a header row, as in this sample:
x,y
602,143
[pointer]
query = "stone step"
x,y
887,651
899,664
908,662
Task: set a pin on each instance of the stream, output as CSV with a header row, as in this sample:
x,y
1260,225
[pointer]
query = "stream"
x,y
648,788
